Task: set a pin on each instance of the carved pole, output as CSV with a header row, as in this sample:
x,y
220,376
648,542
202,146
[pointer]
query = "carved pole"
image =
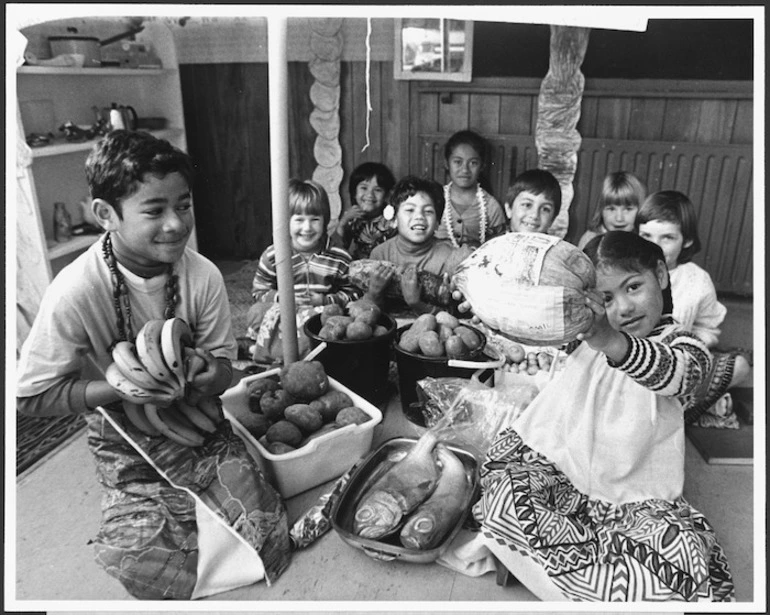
x,y
561,93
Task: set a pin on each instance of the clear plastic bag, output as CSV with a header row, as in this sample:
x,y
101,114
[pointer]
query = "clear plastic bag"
x,y
469,413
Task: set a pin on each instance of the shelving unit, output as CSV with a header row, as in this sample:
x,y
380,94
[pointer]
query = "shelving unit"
x,y
49,96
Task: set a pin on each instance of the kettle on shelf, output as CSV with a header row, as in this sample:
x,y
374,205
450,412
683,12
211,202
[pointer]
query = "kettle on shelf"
x,y
122,117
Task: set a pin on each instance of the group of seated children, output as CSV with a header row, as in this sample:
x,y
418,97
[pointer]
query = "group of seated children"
x,y
418,225
642,249
414,223
581,497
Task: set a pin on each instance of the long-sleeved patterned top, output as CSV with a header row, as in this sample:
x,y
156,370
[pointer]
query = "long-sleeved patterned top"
x,y
360,235
617,429
324,272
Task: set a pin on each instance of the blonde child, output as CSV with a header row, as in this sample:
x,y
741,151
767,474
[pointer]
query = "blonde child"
x,y
418,205
622,194
533,201
140,269
363,226
319,270
668,219
582,496
471,215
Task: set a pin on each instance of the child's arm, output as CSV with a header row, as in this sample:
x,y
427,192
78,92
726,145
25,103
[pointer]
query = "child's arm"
x,y
68,396
342,235
601,336
264,287
412,292
672,367
334,264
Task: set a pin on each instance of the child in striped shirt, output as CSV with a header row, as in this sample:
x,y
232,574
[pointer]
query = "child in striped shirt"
x,y
319,270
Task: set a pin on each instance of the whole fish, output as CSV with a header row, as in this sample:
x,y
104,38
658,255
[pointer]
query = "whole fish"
x,y
434,289
398,492
427,526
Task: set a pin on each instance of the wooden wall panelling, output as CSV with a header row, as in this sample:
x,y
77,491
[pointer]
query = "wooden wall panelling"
x,y
484,114
387,130
227,134
347,126
301,134
518,115
645,119
614,114
680,120
744,123
454,115
716,121
732,207
743,258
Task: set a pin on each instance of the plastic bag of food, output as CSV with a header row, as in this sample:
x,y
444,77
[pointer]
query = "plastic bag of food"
x,y
468,413
529,286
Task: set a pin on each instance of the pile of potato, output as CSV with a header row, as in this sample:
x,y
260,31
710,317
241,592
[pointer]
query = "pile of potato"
x,y
286,412
441,335
359,320
529,363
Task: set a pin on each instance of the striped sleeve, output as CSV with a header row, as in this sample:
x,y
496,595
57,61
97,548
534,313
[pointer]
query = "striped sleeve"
x,y
673,365
341,291
264,287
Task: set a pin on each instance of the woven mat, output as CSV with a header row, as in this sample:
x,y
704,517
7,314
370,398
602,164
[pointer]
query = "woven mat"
x,y
36,437
238,286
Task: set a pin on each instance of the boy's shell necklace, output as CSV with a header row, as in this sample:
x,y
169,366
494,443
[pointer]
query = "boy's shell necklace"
x,y
120,293
447,217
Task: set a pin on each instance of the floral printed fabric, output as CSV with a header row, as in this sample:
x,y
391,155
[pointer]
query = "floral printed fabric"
x,y
148,538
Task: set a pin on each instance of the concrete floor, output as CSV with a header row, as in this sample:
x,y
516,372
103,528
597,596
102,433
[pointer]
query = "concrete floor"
x,y
49,564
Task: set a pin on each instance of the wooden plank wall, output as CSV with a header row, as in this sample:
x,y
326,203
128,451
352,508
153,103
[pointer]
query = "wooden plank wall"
x,y
226,120
695,137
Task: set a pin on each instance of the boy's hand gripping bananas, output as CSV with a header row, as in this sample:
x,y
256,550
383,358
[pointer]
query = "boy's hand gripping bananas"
x,y
150,377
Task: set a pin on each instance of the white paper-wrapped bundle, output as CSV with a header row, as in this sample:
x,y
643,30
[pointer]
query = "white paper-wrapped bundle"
x,y
529,287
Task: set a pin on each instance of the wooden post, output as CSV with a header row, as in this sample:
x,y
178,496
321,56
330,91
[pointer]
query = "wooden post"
x,y
279,178
558,112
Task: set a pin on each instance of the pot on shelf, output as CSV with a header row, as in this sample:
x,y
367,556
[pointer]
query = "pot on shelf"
x,y
88,46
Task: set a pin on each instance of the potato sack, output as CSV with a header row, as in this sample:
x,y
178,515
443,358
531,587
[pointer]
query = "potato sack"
x,y
529,286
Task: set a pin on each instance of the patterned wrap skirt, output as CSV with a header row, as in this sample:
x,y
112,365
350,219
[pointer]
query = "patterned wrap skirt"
x,y
593,550
148,538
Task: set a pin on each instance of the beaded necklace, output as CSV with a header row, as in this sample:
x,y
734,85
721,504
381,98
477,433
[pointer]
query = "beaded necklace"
x,y
120,293
447,217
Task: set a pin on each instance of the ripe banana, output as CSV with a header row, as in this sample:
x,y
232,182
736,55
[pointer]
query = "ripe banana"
x,y
211,407
135,414
125,357
148,347
170,423
130,391
196,416
175,335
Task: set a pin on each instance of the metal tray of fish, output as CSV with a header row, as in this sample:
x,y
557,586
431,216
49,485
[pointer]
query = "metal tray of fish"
x,y
389,547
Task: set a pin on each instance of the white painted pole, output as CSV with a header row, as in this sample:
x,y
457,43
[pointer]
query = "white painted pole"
x,y
278,88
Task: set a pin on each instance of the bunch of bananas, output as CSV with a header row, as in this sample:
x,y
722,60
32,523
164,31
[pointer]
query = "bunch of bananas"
x,y
153,368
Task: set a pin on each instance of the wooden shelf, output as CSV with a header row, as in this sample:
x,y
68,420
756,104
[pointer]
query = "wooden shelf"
x,y
77,243
91,72
64,147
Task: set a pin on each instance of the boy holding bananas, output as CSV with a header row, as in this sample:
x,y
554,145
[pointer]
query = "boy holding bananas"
x,y
153,316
